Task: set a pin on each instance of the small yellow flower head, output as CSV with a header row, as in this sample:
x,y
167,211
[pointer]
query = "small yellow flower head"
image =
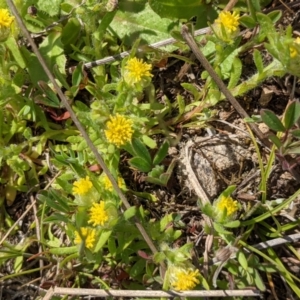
x,y
184,279
119,130
227,203
229,20
5,18
108,186
82,186
86,234
293,49
98,214
136,70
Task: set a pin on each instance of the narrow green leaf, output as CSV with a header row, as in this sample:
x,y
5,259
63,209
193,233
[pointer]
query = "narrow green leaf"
x,y
296,133
258,281
151,143
51,98
70,32
291,115
60,77
130,212
258,61
232,224
63,250
77,75
235,73
104,236
177,8
275,15
248,22
141,164
141,151
275,140
242,260
271,120
161,153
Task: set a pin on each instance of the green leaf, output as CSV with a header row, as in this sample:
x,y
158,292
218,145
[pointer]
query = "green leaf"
x,y
275,15
258,281
235,73
291,115
140,164
53,52
220,229
130,212
138,268
63,250
271,120
77,75
242,260
70,33
296,133
149,142
248,22
177,9
258,61
60,77
232,224
161,153
156,171
275,140
15,51
51,98
104,236
140,22
140,150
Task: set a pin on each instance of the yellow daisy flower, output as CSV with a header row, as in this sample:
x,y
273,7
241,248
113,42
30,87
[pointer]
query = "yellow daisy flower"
x,y
98,214
227,203
82,186
293,50
86,234
5,18
119,130
229,20
108,185
136,70
184,279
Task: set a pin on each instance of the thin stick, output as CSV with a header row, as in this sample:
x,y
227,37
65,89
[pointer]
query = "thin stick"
x,y
156,45
73,116
17,222
157,294
199,55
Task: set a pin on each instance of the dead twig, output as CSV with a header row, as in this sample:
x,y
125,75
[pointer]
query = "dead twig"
x,y
199,55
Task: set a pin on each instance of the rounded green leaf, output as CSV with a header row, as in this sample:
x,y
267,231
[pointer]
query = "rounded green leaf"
x,y
177,9
271,120
140,164
292,114
242,260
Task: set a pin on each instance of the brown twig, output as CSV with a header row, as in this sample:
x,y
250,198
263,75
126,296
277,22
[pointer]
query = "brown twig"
x,y
155,294
90,144
199,55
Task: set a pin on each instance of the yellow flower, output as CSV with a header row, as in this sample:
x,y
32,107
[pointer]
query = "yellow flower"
x,y
86,234
227,203
108,186
184,279
98,214
119,130
136,70
5,18
229,20
82,186
293,49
